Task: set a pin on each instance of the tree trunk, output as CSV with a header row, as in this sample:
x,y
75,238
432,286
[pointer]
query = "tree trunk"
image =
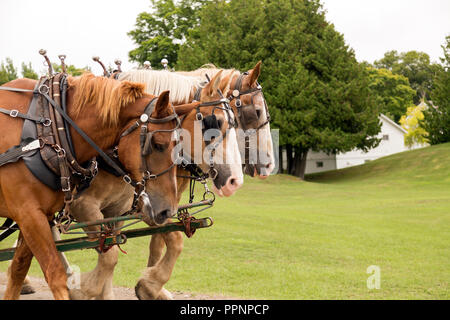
x,y
280,159
300,163
289,158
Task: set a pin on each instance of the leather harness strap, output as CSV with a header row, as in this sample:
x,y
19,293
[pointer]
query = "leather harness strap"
x,y
17,114
58,118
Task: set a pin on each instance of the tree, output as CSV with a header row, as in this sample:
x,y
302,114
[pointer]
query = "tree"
x,y
159,33
28,72
317,92
392,91
7,71
415,66
71,69
413,122
438,116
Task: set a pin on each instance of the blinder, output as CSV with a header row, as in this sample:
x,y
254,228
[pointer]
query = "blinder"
x,y
211,122
248,113
147,148
146,137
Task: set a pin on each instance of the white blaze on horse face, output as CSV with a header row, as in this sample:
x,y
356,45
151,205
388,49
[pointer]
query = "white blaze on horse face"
x,y
234,156
227,158
266,153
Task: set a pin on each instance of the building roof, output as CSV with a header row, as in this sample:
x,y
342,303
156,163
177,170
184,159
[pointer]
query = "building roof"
x,y
393,123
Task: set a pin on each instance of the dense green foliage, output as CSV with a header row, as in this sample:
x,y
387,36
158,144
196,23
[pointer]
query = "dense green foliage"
x,y
317,92
392,92
319,96
28,72
70,69
415,66
158,33
7,71
438,115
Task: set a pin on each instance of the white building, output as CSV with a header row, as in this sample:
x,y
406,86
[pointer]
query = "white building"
x,y
392,141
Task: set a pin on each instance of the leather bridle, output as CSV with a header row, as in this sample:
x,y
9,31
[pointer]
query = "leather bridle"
x,y
236,94
146,136
221,104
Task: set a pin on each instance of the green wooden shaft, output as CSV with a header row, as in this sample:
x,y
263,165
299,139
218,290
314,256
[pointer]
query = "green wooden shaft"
x,y
86,243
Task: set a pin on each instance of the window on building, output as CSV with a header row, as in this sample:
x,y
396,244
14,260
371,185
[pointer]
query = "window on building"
x,y
319,164
385,137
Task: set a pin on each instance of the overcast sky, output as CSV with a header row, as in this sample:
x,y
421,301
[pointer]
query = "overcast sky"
x,y
84,28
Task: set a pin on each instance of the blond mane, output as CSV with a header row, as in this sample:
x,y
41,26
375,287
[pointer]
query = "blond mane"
x,y
156,81
210,70
108,96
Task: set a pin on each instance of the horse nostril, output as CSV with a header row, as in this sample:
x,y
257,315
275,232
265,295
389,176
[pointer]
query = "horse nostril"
x,y
165,213
268,165
233,182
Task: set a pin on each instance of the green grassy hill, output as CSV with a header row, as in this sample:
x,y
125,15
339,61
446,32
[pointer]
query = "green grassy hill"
x,y
418,166
283,238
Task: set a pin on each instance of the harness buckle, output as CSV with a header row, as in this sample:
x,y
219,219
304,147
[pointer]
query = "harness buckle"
x,y
14,113
127,179
149,176
65,187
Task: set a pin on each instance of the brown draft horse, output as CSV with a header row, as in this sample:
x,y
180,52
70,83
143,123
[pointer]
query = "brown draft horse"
x,y
149,286
103,109
108,196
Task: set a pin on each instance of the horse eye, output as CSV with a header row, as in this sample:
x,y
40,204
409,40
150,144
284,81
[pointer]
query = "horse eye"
x,y
159,147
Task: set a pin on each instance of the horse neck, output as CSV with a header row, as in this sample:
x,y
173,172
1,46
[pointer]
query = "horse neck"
x,y
103,135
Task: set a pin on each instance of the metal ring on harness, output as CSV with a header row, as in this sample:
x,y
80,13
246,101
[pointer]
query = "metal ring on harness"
x,y
208,192
213,173
44,86
47,122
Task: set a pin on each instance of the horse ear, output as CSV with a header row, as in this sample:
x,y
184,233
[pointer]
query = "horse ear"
x,y
213,85
130,91
162,104
254,73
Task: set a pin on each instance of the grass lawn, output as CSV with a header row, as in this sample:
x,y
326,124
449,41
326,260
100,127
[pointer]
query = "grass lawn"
x,y
287,239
